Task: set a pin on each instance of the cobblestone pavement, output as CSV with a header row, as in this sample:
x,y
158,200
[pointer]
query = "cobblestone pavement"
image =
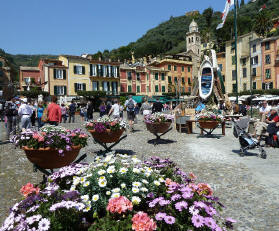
x,y
248,186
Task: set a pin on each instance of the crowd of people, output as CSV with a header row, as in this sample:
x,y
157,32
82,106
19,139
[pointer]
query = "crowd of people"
x,y
19,114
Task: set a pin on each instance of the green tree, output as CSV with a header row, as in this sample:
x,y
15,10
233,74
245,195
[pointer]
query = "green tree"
x,y
242,3
262,23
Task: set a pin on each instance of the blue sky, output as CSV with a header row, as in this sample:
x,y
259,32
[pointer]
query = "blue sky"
x,y
85,26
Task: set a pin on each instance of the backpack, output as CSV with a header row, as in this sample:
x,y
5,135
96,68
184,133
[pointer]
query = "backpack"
x,y
131,105
10,110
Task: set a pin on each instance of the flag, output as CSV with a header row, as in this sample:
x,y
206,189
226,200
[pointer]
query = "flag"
x,y
229,4
262,8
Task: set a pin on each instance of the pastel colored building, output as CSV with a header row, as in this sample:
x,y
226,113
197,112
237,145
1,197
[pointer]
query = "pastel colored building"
x,y
270,74
104,76
221,61
29,77
256,63
78,73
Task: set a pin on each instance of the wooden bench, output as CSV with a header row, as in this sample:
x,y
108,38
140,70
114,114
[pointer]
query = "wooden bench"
x,y
189,126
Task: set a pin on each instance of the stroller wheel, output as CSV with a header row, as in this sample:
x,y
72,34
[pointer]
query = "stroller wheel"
x,y
241,152
263,154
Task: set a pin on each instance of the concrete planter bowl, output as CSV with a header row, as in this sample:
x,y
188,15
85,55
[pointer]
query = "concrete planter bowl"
x,y
158,127
108,136
208,124
48,158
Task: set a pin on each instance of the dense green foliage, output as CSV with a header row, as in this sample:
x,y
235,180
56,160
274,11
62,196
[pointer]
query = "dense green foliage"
x,y
33,93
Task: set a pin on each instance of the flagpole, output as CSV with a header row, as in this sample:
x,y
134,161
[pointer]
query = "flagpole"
x,y
235,44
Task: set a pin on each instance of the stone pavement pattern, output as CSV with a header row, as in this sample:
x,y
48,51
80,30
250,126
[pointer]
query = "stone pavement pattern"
x,y
248,186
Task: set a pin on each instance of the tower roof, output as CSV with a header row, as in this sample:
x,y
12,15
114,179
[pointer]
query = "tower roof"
x,y
193,27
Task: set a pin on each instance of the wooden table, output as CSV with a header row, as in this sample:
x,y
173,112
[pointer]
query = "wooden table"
x,y
189,125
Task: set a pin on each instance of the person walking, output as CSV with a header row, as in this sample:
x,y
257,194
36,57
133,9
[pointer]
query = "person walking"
x,y
39,113
157,106
72,111
33,116
115,110
11,113
102,109
130,105
108,107
54,112
25,112
145,108
64,112
90,110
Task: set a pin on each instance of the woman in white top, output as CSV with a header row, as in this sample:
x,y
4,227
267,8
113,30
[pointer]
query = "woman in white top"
x,y
115,110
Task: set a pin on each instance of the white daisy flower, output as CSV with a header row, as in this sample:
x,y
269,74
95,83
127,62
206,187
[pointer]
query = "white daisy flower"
x,y
85,198
123,185
136,184
76,181
156,182
144,181
111,169
87,208
147,174
101,172
115,195
44,224
86,183
108,193
136,200
102,183
123,170
95,197
161,179
136,170
135,190
116,190
144,189
73,188
82,180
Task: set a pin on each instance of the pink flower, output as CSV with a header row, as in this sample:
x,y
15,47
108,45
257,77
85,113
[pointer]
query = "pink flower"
x,y
82,136
41,139
36,136
142,222
28,189
204,189
73,134
119,205
192,176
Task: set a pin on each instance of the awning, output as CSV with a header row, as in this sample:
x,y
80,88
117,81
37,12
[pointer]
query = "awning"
x,y
138,98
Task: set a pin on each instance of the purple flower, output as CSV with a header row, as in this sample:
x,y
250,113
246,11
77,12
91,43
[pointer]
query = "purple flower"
x,y
160,216
151,204
150,195
200,204
44,224
175,197
198,221
169,220
68,148
210,211
164,202
181,205
229,222
187,195
193,210
209,222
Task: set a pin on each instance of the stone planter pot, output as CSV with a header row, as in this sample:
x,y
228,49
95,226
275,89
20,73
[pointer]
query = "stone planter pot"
x,y
208,124
50,158
108,136
158,127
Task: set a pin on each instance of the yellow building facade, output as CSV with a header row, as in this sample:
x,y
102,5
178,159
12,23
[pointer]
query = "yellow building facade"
x,y
78,73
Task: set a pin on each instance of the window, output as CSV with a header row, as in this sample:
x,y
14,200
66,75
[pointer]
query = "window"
x,y
189,81
244,86
182,68
189,69
233,75
192,39
163,89
254,71
255,60
129,74
163,76
156,88
234,88
267,45
254,48
169,67
183,80
80,87
267,74
169,79
138,76
220,67
233,60
244,72
59,74
60,90
197,39
175,68
147,76
93,70
129,88
244,61
95,86
254,85
267,59
138,89
79,69
175,79
189,40
156,76
114,86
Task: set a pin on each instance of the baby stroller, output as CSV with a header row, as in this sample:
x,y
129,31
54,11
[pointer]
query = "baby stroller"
x,y
245,139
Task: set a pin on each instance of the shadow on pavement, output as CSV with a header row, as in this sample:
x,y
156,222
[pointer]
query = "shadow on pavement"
x,y
161,141
245,154
210,136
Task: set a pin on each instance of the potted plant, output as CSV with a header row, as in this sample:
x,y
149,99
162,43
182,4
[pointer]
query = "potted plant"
x,y
51,147
106,130
158,122
209,120
118,192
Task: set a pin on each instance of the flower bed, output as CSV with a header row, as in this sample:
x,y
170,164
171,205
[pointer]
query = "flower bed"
x,y
209,116
158,117
106,123
118,192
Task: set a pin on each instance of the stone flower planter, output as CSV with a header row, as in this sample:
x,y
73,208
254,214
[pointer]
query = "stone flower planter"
x,y
158,127
208,124
108,136
50,158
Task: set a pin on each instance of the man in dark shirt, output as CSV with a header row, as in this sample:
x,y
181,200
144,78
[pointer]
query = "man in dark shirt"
x,y
157,106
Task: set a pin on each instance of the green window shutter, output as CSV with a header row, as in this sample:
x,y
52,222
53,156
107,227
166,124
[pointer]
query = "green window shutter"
x,y
156,76
189,80
163,76
75,87
129,88
182,68
138,89
83,70
183,80
55,90
169,67
90,69
189,69
54,73
156,88
84,86
75,69
175,68
163,89
64,74
65,90
263,86
169,79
